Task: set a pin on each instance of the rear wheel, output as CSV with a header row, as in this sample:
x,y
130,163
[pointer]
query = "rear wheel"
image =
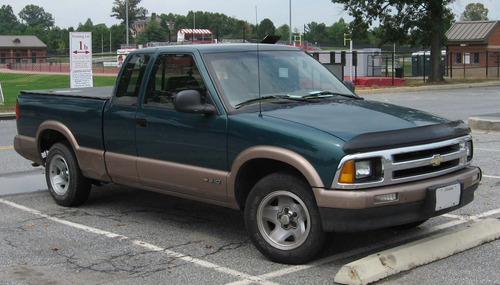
x,y
65,180
283,220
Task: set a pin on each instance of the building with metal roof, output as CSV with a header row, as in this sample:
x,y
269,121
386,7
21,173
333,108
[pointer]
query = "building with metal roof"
x,y
474,44
18,49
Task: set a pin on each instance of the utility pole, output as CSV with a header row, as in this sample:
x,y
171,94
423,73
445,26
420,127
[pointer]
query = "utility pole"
x,y
350,48
126,19
290,21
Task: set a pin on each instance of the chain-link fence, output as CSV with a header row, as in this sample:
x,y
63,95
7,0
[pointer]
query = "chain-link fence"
x,y
389,68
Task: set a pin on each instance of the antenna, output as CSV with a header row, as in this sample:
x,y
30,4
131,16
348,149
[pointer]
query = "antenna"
x,y
258,80
258,63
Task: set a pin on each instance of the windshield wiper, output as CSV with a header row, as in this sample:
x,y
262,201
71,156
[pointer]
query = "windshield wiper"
x,y
328,94
253,100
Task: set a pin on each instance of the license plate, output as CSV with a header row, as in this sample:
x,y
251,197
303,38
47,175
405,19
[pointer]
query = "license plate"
x,y
447,196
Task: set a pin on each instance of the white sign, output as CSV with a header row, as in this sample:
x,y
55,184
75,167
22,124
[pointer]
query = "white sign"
x,y
80,59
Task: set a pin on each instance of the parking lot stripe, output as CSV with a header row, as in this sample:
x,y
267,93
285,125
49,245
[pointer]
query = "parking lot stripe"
x,y
359,251
486,149
7,147
145,245
490,176
246,278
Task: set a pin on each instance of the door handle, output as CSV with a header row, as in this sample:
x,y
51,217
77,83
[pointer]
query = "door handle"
x,y
142,122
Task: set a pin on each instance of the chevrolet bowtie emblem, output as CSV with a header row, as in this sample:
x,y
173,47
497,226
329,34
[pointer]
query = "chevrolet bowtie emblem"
x,y
436,160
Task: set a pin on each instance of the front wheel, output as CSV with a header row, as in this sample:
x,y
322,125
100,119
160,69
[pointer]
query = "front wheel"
x,y
283,220
65,180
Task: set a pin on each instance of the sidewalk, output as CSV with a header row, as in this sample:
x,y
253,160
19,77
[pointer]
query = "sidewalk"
x,y
489,122
427,87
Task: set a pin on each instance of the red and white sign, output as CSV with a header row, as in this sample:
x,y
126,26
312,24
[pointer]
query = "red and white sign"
x,y
80,55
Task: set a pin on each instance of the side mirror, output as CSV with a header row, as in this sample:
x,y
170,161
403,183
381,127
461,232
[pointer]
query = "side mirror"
x,y
350,85
189,101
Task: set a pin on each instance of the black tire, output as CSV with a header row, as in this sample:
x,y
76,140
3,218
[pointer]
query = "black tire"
x,y
65,180
282,219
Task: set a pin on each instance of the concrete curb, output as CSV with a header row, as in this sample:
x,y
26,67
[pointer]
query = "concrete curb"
x,y
409,256
7,116
485,123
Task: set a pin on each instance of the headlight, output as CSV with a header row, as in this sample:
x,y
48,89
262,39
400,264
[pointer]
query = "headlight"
x,y
467,145
357,171
470,150
363,169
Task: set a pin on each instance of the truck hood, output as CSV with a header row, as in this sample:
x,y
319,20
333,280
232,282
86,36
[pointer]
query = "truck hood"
x,y
347,119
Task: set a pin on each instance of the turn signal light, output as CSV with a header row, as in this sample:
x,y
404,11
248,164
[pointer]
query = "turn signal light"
x,y
347,172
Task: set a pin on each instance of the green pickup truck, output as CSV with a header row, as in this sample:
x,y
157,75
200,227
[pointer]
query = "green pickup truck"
x,y
262,128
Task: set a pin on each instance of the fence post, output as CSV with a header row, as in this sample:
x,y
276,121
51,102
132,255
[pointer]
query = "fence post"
x,y
423,66
386,66
487,63
451,65
392,68
463,62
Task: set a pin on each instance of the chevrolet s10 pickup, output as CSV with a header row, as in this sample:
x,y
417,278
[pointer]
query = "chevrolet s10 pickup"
x,y
265,129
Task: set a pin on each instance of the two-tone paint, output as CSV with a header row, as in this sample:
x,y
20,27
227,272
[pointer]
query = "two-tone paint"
x,y
217,158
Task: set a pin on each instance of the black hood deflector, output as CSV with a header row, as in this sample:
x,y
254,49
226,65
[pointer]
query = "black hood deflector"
x,y
406,137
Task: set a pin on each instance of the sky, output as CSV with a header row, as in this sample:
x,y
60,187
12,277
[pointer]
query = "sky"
x,y
70,13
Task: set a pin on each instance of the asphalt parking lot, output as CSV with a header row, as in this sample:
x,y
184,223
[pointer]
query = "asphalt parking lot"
x,y
124,235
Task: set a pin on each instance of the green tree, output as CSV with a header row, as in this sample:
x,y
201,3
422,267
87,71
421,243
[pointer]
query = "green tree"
x,y
34,15
86,27
134,12
9,24
266,27
284,32
154,32
337,30
474,12
316,32
418,22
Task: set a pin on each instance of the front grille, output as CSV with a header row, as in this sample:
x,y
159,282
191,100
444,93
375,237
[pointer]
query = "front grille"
x,y
426,153
412,163
418,171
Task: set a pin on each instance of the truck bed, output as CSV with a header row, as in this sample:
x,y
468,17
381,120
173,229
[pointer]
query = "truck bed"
x,y
103,93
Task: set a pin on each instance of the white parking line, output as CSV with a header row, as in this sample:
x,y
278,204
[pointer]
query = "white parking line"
x,y
490,176
186,258
486,149
246,278
458,220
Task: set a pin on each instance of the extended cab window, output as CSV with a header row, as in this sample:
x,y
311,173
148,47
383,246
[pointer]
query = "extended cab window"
x,y
171,74
131,79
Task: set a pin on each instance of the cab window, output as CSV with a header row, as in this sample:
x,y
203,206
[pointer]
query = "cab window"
x,y
171,74
131,79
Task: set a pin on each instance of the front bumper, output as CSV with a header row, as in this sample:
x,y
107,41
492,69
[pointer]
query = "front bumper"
x,y
358,210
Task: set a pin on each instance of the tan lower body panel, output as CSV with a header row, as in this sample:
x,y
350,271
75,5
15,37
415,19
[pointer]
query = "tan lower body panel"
x,y
186,179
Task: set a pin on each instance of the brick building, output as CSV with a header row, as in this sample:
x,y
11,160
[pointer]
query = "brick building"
x,y
474,44
140,25
20,49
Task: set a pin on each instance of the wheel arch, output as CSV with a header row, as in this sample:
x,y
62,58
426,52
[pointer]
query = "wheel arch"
x,y
90,161
52,132
256,162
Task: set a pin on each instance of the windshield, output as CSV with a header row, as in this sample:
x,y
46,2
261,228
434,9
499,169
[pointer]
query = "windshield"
x,y
283,74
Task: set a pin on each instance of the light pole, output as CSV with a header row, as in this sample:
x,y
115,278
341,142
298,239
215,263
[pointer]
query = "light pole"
x,y
290,39
126,19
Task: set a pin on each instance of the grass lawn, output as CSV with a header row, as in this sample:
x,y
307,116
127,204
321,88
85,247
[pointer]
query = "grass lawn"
x,y
13,83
